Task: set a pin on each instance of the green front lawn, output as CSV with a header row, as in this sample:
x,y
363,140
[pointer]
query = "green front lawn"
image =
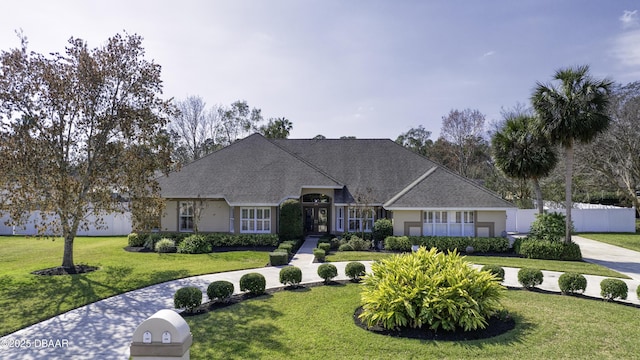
x,y
26,299
318,324
551,265
629,241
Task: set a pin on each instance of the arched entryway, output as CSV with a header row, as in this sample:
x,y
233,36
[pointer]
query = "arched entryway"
x,y
316,211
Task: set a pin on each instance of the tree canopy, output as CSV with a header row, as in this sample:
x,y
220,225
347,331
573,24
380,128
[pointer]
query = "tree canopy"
x,y
81,132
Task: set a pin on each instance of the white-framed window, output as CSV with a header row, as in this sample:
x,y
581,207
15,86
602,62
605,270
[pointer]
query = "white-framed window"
x,y
186,216
339,218
361,219
448,223
255,220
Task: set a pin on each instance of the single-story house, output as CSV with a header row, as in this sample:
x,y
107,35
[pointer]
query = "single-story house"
x,y
343,185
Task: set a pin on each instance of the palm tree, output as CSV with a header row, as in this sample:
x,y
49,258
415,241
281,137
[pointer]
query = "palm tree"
x,y
574,111
523,153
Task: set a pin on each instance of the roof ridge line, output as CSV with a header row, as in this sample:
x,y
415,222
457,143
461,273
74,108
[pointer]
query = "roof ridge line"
x,y
410,186
315,167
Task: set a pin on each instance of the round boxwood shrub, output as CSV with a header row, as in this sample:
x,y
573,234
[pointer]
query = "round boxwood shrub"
x,y
319,254
327,272
529,277
220,290
571,283
290,275
188,298
354,270
135,240
611,289
496,270
324,246
429,288
165,246
254,283
345,247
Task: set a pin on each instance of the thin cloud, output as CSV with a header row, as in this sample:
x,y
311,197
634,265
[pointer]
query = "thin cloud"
x,y
488,53
629,19
627,48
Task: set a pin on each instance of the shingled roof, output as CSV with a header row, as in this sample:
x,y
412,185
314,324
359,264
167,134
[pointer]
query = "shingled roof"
x,y
260,171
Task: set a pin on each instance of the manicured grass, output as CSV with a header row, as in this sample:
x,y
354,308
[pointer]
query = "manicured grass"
x,y
318,324
26,299
551,265
626,240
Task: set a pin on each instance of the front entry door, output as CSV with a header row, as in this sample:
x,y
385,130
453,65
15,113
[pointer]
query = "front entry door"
x,y
316,220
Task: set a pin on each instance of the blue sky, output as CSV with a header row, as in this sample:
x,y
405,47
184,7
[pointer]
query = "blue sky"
x,y
370,69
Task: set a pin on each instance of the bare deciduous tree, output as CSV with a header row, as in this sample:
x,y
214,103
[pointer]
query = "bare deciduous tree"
x,y
195,128
465,131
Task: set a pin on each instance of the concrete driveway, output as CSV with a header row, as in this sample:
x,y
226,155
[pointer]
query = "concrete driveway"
x,y
613,257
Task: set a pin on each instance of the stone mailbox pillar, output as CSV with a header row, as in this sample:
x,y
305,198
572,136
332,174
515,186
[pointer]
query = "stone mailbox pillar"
x,y
164,335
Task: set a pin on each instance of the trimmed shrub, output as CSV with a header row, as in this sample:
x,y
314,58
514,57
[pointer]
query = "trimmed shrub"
x,y
429,288
287,247
188,298
324,246
165,246
220,290
529,277
335,243
345,247
611,289
549,226
571,283
291,226
327,272
496,270
359,244
319,254
550,250
135,240
290,275
382,228
397,243
460,243
194,244
241,240
254,283
638,292
151,240
354,270
278,258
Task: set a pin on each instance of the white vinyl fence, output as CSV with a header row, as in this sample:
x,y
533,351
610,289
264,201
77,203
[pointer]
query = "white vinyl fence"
x,y
584,220
114,224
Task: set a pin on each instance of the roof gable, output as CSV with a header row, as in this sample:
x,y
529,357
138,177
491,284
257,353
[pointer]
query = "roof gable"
x,y
249,171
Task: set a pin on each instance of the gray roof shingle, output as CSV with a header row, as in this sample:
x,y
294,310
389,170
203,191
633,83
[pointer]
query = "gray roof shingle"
x,y
256,170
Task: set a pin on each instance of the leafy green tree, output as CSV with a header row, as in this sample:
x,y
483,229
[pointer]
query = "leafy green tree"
x,y
522,152
574,111
277,128
236,121
416,140
79,132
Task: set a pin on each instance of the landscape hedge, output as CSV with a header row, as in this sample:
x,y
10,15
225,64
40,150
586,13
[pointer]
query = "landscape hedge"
x,y
448,243
226,239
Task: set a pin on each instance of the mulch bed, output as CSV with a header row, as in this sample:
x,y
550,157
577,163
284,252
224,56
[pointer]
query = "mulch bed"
x,y
59,270
495,327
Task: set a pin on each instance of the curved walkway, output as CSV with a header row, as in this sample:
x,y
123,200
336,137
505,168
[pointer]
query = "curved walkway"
x,y
103,330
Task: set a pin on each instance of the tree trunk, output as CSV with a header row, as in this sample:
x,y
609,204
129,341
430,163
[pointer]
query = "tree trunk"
x,y
567,189
67,257
539,201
